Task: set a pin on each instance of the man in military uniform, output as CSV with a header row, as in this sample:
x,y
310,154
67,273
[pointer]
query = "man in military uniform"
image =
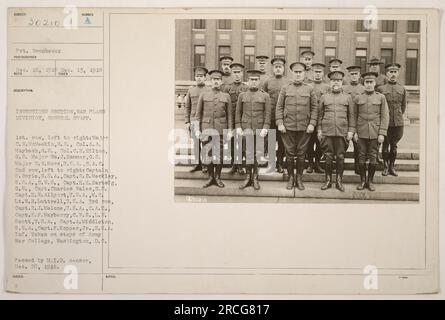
x,y
214,114
234,89
335,65
272,86
226,61
354,88
372,125
335,127
396,98
307,57
296,117
191,100
320,88
261,62
374,66
252,114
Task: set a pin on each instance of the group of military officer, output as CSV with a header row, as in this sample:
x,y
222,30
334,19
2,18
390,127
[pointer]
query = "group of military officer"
x,y
314,116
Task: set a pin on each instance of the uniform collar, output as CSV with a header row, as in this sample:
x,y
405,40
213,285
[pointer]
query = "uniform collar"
x,y
200,85
297,84
253,89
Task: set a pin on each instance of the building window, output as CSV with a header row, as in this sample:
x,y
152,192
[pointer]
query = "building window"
x,y
386,56
329,53
199,57
279,52
225,24
249,24
388,25
331,25
305,25
360,26
413,26
249,57
280,25
199,24
411,66
223,51
361,57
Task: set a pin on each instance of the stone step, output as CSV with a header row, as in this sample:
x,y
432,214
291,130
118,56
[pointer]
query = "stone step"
x,y
401,165
405,177
277,189
401,154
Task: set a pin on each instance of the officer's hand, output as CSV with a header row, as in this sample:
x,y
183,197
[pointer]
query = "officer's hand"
x,y
310,128
320,135
187,126
281,128
350,135
230,134
197,134
356,137
381,138
239,131
263,133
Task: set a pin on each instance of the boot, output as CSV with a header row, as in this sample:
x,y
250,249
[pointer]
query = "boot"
x,y
256,184
385,163
290,172
362,185
318,168
328,177
233,169
204,168
310,168
198,167
356,163
371,171
218,181
280,165
299,181
248,180
240,169
339,176
391,166
211,176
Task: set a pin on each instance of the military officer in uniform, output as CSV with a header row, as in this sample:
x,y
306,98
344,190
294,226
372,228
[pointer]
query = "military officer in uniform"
x,y
261,62
374,66
214,111
296,117
372,125
191,100
226,61
234,89
314,150
307,57
335,65
354,88
272,86
335,128
396,97
252,114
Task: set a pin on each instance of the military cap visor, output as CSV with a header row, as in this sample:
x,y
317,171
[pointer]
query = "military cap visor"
x,y
336,75
278,60
225,58
370,75
318,65
354,68
216,74
335,61
200,70
375,61
254,73
236,65
393,66
261,57
307,53
299,64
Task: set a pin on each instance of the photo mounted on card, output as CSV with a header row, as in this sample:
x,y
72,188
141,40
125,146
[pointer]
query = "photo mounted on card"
x,y
222,151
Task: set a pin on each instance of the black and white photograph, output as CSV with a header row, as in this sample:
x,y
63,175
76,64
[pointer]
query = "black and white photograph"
x,y
297,110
